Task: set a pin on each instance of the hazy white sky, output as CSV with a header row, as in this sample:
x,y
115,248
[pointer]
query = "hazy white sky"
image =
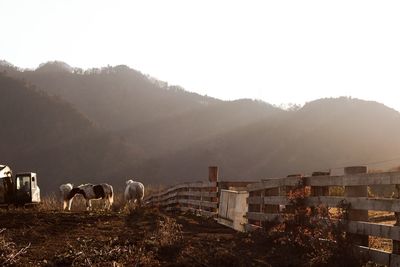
x,y
277,51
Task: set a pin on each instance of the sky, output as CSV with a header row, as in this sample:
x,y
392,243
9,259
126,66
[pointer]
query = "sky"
x,y
276,51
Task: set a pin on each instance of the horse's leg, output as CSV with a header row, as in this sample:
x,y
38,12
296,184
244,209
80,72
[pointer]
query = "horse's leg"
x,y
105,203
69,204
110,202
88,204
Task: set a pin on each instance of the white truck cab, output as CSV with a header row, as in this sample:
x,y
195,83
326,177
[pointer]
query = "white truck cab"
x,y
21,190
26,188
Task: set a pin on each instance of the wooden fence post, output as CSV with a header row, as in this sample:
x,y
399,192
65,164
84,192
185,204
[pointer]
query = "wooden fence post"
x,y
213,177
266,207
285,190
317,191
320,190
396,243
357,215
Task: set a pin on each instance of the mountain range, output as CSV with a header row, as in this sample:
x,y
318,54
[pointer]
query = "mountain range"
x,y
115,123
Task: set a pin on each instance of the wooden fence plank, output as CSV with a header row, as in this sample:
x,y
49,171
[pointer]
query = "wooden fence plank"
x,y
269,200
202,212
274,182
394,260
361,203
375,255
198,203
374,229
260,216
383,178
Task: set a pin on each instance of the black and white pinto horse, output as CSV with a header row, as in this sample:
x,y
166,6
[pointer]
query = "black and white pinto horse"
x,y
90,192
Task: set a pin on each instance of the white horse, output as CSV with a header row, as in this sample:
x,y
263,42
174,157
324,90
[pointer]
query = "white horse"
x,y
134,192
90,191
65,189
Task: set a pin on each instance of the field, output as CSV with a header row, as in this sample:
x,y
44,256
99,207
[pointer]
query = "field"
x,y
147,236
133,237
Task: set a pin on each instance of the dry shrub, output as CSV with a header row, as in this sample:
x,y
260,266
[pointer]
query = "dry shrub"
x,y
169,232
309,236
9,253
165,243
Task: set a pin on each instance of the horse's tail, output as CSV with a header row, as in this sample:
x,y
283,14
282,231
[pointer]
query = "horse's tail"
x,y
111,197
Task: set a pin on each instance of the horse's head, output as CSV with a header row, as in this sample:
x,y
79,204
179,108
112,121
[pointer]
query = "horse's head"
x,y
129,182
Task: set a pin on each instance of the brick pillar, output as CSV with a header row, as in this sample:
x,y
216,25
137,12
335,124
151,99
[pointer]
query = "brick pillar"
x,y
213,174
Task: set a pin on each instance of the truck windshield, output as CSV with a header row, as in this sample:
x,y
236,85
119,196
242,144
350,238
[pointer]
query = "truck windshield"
x,y
23,183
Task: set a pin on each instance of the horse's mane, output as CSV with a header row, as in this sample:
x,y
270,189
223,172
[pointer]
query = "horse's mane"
x,y
88,184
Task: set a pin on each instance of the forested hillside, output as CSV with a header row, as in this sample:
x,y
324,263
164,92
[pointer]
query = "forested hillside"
x,y
46,135
113,123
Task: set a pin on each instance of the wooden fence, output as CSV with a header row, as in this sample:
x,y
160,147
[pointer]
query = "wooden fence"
x,y
268,200
200,197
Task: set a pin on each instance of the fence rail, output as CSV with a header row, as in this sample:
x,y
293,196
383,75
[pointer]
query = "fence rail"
x,y
200,197
268,200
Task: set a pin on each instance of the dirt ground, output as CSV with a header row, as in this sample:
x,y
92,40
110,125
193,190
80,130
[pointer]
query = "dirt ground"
x,y
144,237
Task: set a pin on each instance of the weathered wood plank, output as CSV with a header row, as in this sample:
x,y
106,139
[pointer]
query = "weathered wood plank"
x,y
394,260
201,212
375,255
193,185
268,200
164,200
199,203
273,182
259,216
383,178
198,194
374,229
360,203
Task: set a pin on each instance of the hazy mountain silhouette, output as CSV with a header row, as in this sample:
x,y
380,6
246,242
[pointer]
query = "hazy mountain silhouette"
x,y
114,123
115,98
46,135
54,67
326,133
179,131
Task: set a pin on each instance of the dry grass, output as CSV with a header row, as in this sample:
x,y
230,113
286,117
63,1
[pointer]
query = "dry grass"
x,y
54,203
151,189
9,252
166,238
50,202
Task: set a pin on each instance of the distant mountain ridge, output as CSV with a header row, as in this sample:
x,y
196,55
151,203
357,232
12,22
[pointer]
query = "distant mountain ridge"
x,y
117,123
47,135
